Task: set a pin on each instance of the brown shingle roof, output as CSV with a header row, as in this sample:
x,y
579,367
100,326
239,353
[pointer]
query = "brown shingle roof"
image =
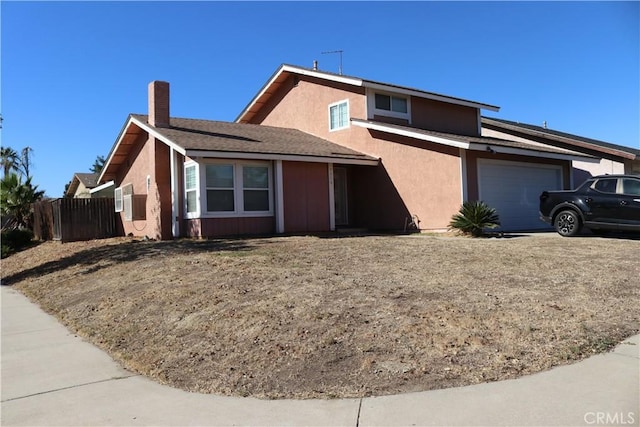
x,y
89,180
209,135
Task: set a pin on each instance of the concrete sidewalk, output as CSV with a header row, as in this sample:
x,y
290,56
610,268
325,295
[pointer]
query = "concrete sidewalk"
x,y
51,377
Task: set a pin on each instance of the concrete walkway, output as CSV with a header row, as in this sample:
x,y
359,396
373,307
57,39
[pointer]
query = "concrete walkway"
x,y
51,377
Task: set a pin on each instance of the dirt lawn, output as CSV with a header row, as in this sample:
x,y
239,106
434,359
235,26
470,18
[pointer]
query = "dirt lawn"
x,y
310,317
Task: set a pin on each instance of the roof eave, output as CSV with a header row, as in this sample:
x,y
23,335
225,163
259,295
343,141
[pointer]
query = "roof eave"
x,y
114,148
410,134
494,148
73,186
570,141
157,134
500,149
285,68
354,81
131,120
349,160
102,187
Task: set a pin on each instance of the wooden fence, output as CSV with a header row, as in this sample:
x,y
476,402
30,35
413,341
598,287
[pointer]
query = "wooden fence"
x,y
70,220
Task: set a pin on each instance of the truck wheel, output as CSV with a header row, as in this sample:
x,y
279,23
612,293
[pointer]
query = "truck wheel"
x,y
567,223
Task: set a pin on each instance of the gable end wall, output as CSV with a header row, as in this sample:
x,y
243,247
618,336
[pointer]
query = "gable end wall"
x,y
142,162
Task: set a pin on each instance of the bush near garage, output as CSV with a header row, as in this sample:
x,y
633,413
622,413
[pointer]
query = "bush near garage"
x,y
473,217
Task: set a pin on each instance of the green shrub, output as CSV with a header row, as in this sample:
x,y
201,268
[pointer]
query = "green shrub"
x,y
14,240
473,217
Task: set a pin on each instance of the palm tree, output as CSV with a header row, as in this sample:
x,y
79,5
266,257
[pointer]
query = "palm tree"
x,y
25,161
16,199
10,160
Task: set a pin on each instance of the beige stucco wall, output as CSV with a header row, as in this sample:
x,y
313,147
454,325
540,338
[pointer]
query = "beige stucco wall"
x,y
82,192
426,176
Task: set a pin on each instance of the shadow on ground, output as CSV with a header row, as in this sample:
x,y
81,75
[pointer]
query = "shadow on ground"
x,y
97,258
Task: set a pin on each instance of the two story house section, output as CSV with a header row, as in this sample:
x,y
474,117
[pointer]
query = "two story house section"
x,y
432,155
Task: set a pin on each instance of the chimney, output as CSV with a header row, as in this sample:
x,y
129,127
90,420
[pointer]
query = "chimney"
x,y
315,65
159,104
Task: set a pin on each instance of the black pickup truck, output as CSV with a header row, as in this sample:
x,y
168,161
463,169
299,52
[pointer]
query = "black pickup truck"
x,y
602,203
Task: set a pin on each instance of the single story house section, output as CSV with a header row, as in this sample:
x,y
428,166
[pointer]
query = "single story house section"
x,y
201,178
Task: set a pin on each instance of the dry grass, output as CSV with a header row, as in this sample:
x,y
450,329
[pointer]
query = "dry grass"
x,y
310,317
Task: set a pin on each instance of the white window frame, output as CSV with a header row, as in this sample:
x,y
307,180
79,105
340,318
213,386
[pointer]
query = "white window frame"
x,y
240,173
127,201
371,100
195,214
117,195
238,189
337,105
205,205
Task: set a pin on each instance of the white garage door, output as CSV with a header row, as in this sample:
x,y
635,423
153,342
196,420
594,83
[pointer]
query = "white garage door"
x,y
514,188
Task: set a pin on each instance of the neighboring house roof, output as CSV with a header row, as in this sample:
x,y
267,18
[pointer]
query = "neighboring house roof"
x,y
208,138
285,70
542,134
477,143
89,180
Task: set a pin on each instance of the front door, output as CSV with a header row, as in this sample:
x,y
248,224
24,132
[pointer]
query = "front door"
x,y
340,196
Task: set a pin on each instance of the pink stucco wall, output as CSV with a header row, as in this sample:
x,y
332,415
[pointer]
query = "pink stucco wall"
x,y
152,206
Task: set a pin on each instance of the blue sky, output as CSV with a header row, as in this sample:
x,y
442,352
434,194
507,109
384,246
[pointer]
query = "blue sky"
x,y
73,71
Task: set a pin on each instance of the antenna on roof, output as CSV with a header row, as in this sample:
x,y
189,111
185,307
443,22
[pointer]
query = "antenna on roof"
x,y
544,124
336,51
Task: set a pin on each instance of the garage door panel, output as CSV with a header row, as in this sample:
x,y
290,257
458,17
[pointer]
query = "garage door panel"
x,y
513,190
